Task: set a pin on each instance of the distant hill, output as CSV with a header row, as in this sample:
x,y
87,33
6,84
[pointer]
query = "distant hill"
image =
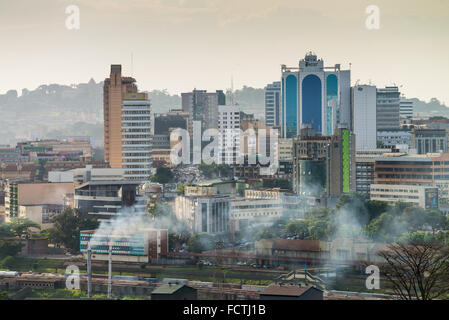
x,y
54,110
431,108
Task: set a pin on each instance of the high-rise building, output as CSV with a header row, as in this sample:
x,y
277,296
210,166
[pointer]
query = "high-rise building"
x,y
203,106
406,108
315,95
171,120
387,109
324,166
229,134
113,90
137,137
273,104
363,108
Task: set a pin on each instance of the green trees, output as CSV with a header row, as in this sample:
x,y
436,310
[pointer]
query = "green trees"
x,y
20,226
163,175
9,248
201,242
298,227
7,262
157,210
213,170
356,216
281,183
181,187
67,227
405,222
5,230
436,220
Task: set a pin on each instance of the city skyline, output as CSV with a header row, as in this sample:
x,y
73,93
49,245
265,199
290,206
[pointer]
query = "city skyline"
x,y
180,45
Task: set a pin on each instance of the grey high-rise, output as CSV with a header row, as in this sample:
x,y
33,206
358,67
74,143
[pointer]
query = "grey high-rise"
x,y
203,106
387,108
272,104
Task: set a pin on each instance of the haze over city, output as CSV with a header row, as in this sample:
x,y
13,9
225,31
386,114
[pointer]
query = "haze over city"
x,y
256,150
179,45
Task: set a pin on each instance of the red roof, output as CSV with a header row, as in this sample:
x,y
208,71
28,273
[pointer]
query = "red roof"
x,y
296,245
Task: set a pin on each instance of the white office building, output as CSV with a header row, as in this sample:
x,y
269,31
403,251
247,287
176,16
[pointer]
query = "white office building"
x,y
251,212
136,137
421,196
229,134
364,116
204,214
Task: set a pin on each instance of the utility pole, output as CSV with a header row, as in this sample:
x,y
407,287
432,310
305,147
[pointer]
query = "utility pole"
x,y
89,270
110,271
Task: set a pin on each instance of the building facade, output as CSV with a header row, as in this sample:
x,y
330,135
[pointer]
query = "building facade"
x,y
430,170
406,109
229,134
365,161
141,246
136,137
273,104
420,196
430,140
314,95
363,108
388,109
203,106
204,214
106,199
324,166
391,138
113,90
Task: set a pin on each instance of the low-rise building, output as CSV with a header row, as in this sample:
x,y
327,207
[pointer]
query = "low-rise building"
x,y
20,193
172,291
390,138
104,199
431,169
141,246
316,251
246,212
422,196
42,214
209,214
291,292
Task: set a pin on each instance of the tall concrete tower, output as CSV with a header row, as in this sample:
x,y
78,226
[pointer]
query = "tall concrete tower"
x,y
113,90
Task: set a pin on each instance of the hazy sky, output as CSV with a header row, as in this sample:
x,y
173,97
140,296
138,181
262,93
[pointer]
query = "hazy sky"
x,y
182,44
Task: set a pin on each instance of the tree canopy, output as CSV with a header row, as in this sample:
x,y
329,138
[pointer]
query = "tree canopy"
x,y
67,227
163,175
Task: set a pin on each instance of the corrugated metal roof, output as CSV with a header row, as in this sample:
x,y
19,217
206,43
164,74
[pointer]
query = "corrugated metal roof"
x,y
285,290
167,289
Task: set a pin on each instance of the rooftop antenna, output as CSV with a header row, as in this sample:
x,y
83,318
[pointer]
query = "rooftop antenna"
x,y
110,270
89,270
350,65
232,89
132,65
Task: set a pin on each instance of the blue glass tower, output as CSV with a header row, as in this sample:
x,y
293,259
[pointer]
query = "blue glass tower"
x,y
314,96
